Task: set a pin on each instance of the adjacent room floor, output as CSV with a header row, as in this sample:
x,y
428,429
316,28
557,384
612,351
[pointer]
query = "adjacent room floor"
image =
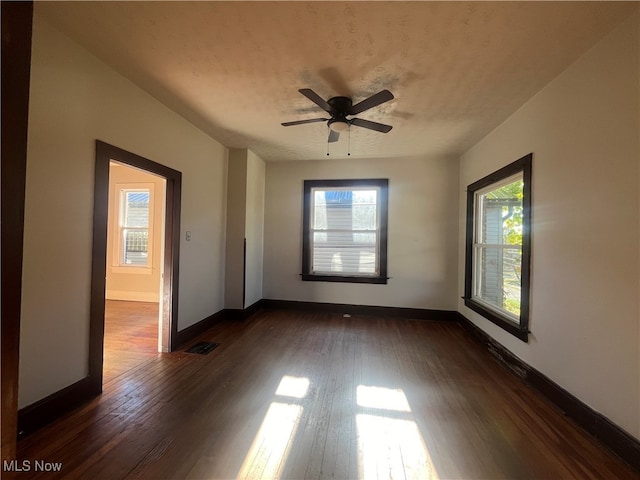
x,y
291,394
130,336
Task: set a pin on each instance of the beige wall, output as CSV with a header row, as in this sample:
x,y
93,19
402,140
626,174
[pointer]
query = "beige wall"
x,y
245,220
583,131
422,242
134,283
236,219
74,100
254,227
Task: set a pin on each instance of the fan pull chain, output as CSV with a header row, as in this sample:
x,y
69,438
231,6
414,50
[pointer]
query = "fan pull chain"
x,y
349,145
328,142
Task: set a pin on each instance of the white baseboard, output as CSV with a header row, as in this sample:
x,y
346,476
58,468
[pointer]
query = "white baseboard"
x,y
133,296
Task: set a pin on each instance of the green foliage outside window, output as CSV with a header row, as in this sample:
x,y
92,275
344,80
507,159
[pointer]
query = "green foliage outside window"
x,y
512,225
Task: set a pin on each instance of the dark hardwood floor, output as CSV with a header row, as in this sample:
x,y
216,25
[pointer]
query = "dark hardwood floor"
x,y
300,395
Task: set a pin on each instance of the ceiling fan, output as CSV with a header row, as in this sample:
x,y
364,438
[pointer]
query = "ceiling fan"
x,y
342,107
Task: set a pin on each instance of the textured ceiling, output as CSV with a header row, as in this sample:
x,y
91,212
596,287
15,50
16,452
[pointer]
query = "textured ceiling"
x,y
457,69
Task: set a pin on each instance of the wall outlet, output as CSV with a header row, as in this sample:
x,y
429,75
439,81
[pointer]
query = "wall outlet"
x,y
188,236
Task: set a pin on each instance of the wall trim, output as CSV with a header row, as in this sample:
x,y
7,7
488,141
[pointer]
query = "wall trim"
x,y
243,314
16,67
104,155
604,430
132,296
227,314
192,331
372,310
54,406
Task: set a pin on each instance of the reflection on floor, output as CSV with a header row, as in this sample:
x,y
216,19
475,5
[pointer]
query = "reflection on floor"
x,y
314,395
130,336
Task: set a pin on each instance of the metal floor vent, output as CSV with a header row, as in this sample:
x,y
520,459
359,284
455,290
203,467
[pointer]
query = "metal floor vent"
x,y
202,348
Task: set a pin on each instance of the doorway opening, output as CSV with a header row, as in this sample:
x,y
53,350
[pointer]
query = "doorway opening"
x,y
133,321
134,273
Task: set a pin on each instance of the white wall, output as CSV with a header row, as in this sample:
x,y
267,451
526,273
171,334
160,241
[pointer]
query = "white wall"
x,y
236,220
583,129
245,220
74,100
422,241
254,227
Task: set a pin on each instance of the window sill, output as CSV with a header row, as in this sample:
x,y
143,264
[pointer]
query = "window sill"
x,y
307,277
502,321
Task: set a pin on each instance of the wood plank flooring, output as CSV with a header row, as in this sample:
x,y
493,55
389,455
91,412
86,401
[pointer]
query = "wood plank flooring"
x,y
130,336
298,395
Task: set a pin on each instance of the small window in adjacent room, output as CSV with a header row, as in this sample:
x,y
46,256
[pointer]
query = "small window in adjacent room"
x,y
345,231
498,247
134,227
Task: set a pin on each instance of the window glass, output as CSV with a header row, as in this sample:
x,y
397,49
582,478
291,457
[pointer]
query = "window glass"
x,y
345,236
345,230
135,227
498,246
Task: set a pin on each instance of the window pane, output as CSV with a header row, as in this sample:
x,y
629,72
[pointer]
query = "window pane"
x,y
340,245
364,209
136,209
501,215
345,209
135,227
497,269
344,252
498,277
136,242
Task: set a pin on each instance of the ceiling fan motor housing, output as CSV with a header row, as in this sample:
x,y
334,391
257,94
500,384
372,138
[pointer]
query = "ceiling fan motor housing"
x,y
340,105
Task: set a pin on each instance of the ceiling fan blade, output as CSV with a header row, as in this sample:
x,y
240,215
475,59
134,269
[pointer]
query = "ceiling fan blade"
x,y
333,136
378,127
372,101
317,99
302,122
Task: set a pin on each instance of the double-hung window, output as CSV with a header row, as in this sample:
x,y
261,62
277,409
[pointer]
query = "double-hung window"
x,y
134,227
345,231
498,247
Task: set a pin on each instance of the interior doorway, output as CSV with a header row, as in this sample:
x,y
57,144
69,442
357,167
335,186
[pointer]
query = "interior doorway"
x,y
122,249
133,320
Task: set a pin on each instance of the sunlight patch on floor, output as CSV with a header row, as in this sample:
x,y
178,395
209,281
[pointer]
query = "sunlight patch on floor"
x,y
295,387
382,398
390,445
392,448
268,453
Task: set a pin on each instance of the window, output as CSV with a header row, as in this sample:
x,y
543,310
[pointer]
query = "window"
x,y
134,227
345,231
498,247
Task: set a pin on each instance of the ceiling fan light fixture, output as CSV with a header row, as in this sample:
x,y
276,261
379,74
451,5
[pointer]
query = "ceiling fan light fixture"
x,y
339,126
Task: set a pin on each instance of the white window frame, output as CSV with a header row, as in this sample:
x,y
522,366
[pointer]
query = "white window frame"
x,y
479,244
118,264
